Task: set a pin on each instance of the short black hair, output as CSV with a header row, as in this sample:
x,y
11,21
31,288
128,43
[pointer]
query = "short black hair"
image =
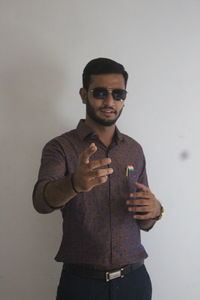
x,y
102,65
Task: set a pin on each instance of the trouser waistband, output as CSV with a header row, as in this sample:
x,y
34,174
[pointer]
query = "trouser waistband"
x,y
107,275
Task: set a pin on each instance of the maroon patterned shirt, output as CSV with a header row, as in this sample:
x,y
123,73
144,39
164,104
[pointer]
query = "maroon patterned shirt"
x,y
97,227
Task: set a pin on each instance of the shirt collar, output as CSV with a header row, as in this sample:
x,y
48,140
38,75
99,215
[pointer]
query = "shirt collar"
x,y
84,131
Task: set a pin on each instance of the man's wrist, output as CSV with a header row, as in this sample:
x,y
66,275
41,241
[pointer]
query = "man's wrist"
x,y
73,185
160,215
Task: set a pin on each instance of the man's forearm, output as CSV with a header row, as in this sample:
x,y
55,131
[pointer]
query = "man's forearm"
x,y
57,193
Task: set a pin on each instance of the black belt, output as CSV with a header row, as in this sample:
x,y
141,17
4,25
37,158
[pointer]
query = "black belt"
x,y
84,272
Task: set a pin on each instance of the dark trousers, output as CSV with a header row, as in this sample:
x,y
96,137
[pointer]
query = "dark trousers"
x,y
134,286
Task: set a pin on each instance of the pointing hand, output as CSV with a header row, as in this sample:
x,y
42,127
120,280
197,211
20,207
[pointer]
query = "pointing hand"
x,y
89,174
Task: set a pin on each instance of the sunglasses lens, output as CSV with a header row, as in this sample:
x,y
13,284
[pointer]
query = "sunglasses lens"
x,y
119,94
100,93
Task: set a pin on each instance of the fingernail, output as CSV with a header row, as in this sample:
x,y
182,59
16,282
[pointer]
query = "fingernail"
x,y
92,145
127,202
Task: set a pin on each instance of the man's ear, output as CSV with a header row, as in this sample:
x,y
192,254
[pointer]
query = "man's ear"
x,y
83,94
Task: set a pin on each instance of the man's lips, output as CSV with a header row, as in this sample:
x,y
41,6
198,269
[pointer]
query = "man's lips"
x,y
108,111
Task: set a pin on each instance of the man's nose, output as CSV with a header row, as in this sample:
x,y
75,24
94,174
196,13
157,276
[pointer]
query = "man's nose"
x,y
109,99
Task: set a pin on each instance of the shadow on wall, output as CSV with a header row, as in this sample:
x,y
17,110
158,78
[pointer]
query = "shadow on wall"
x,y
32,86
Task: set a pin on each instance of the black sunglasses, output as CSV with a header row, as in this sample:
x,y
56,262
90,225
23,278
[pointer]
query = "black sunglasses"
x,y
102,93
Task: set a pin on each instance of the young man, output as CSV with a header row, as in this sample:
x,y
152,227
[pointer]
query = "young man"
x,y
96,175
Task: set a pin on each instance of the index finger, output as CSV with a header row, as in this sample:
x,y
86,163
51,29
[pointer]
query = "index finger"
x,y
99,163
85,155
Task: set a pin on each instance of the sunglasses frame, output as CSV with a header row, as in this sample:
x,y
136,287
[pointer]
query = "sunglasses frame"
x,y
111,91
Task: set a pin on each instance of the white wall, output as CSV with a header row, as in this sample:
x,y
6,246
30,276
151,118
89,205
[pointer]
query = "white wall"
x,y
44,47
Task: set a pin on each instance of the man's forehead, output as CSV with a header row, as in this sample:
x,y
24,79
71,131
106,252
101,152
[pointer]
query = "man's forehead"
x,y
107,79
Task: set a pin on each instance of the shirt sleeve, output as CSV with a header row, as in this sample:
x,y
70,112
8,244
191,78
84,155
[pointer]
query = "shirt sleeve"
x,y
53,166
143,175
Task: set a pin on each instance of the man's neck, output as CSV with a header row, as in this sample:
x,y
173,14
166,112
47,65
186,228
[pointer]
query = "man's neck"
x,y
105,133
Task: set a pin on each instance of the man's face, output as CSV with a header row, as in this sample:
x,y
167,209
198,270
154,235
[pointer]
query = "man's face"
x,y
104,111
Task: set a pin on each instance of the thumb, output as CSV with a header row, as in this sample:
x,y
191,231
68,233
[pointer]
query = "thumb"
x,y
142,187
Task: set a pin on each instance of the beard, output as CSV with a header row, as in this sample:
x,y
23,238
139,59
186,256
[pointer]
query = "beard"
x,y
91,113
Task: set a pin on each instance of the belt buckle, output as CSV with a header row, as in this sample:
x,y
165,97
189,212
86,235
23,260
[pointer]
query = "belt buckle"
x,y
114,274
